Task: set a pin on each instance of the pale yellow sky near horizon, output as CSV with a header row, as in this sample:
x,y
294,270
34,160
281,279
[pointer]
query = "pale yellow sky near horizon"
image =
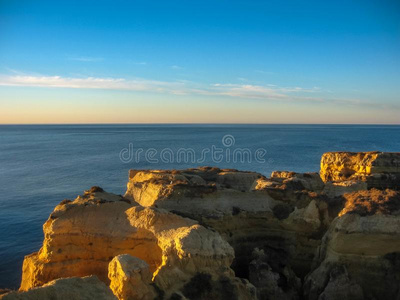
x,y
147,110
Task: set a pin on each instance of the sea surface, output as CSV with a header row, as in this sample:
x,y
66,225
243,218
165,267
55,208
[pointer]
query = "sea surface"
x,y
41,165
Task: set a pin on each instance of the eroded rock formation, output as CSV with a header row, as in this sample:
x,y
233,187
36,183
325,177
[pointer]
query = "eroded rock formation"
x,y
84,235
377,169
246,208
86,288
131,278
211,233
364,243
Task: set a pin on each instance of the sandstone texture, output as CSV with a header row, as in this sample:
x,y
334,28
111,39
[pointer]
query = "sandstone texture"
x,y
83,236
205,192
130,278
210,233
86,288
247,209
377,169
364,243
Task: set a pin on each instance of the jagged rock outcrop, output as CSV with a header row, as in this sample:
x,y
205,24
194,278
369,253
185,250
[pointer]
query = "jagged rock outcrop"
x,y
364,240
247,209
210,233
377,169
302,181
187,248
86,288
130,278
204,192
84,235
371,202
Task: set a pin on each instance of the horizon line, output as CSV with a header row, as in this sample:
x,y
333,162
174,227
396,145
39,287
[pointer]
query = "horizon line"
x,y
199,123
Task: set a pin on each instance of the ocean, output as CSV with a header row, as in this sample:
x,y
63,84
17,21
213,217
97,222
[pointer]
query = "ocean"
x,y
40,165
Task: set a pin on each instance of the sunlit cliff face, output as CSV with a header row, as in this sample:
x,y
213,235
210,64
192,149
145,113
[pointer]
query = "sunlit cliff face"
x,y
371,202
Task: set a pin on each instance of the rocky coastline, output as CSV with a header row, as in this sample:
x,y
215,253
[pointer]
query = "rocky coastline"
x,y
210,233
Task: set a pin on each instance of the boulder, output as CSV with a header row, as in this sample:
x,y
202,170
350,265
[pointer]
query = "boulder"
x,y
130,278
186,247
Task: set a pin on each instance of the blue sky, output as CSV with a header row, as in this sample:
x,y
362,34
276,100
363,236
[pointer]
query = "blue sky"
x,y
199,61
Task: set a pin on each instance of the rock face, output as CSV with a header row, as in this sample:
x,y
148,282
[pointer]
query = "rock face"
x,y
210,233
368,203
130,278
365,242
337,189
86,288
186,247
205,192
377,169
83,236
246,208
273,279
340,286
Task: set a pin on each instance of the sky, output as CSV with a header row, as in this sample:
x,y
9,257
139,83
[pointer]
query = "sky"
x,y
200,62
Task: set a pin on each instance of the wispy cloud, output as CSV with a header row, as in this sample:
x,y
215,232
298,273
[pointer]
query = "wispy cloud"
x,y
90,83
139,84
182,87
85,58
175,67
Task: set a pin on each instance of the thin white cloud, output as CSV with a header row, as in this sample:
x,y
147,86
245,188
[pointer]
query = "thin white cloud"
x,y
89,83
183,87
175,67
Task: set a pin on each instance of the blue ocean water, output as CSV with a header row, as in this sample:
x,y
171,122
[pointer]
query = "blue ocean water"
x,y
40,165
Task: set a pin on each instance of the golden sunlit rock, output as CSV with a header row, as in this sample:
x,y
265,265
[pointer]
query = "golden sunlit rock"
x,y
66,289
377,169
130,278
211,233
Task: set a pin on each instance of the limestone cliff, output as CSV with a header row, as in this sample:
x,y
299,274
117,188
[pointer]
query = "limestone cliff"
x,y
363,243
377,169
282,214
83,236
210,233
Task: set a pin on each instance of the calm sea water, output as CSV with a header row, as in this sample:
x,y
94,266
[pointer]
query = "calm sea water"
x,y
42,165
